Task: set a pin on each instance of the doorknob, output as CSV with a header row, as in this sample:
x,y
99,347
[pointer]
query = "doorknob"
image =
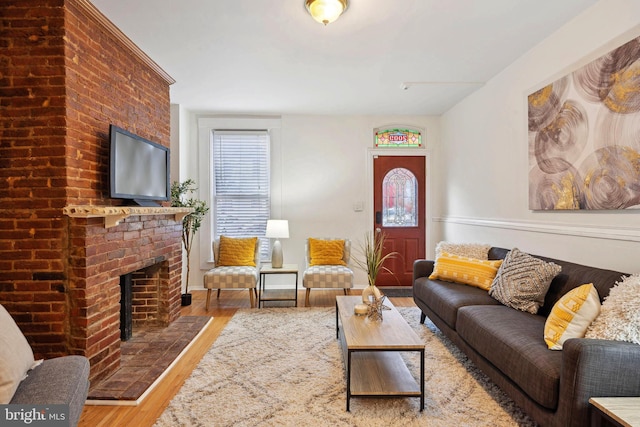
x,y
378,217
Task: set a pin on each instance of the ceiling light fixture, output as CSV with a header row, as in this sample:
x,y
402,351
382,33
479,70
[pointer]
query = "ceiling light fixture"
x,y
326,11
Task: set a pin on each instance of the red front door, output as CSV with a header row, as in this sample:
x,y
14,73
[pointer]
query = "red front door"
x,y
399,213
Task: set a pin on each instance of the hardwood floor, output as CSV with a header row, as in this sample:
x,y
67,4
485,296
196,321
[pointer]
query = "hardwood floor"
x,y
222,310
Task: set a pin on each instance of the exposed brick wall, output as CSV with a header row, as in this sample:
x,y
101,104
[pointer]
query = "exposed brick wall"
x,y
33,171
105,84
64,77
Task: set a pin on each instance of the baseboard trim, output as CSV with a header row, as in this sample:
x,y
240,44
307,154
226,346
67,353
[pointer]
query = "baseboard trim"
x,y
628,234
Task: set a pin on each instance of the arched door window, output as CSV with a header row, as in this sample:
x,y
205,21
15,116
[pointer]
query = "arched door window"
x,y
399,198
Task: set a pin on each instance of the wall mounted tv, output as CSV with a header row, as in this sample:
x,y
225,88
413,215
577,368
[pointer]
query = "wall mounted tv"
x,y
138,169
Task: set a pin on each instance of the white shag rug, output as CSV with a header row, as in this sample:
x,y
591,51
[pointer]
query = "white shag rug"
x,y
283,367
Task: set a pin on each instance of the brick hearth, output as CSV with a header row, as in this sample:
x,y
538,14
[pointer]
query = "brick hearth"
x,y
66,73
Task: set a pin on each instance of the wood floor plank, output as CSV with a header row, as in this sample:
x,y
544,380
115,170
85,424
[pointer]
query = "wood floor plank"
x,y
222,310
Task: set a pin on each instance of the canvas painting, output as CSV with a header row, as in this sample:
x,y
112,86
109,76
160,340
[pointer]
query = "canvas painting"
x,y
584,136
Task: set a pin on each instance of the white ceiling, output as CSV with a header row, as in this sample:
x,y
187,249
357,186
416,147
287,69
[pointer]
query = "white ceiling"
x,y
271,57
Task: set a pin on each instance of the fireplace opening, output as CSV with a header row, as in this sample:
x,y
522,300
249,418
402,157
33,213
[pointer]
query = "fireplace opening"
x,y
141,301
126,309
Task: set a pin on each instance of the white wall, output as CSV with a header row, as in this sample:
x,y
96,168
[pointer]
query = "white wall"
x,y
321,166
485,152
326,169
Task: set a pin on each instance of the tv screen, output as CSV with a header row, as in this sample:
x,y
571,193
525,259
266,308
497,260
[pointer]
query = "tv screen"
x,y
139,168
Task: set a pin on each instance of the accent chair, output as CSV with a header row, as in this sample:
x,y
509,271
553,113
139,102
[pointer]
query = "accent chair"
x,y
226,276
327,261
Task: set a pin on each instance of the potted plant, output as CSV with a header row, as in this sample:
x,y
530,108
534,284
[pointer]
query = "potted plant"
x,y
181,196
373,258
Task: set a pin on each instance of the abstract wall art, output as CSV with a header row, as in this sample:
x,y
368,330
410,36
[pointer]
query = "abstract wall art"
x,y
584,136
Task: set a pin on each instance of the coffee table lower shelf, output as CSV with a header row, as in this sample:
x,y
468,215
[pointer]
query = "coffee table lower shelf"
x,y
378,371
391,377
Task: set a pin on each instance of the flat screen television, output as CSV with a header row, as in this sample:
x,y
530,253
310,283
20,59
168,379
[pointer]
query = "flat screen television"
x,y
138,169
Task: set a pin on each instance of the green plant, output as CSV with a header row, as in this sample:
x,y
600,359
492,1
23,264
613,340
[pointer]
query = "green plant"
x,y
372,251
181,196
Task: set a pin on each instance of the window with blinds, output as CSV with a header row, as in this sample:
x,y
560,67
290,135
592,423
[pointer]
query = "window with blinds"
x,y
241,197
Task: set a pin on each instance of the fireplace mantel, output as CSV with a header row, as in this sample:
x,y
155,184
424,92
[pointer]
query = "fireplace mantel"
x,y
114,214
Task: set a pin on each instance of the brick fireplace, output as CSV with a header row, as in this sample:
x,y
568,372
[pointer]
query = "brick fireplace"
x,y
67,73
147,246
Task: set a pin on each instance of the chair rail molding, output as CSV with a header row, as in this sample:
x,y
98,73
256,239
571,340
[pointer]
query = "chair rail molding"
x,y
629,234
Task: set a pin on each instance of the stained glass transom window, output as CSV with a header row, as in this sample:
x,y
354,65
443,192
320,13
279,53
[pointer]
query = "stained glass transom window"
x,y
398,138
399,199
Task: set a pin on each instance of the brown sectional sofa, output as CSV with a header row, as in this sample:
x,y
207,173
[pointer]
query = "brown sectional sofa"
x,y
553,387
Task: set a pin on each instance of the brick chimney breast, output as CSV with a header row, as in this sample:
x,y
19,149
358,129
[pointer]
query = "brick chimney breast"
x,y
67,73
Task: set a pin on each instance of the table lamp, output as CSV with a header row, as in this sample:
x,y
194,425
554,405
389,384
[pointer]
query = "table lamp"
x,y
277,229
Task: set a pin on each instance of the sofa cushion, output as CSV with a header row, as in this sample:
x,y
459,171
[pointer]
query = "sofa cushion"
x,y
523,281
470,250
619,319
512,341
571,316
572,276
444,298
16,356
465,270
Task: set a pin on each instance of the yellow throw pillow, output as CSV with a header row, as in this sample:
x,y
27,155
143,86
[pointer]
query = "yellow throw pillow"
x,y
571,316
326,252
468,271
234,252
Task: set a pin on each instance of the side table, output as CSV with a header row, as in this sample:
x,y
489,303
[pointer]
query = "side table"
x,y
268,270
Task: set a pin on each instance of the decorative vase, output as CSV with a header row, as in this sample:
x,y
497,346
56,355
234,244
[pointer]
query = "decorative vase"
x,y
185,300
370,294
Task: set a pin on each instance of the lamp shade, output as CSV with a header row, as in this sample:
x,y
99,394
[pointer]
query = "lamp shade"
x,y
277,229
326,11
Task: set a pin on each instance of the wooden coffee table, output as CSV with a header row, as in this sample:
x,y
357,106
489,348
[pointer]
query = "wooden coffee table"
x,y
371,350
615,411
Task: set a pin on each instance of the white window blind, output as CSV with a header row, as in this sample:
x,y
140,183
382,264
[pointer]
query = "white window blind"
x,y
241,197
